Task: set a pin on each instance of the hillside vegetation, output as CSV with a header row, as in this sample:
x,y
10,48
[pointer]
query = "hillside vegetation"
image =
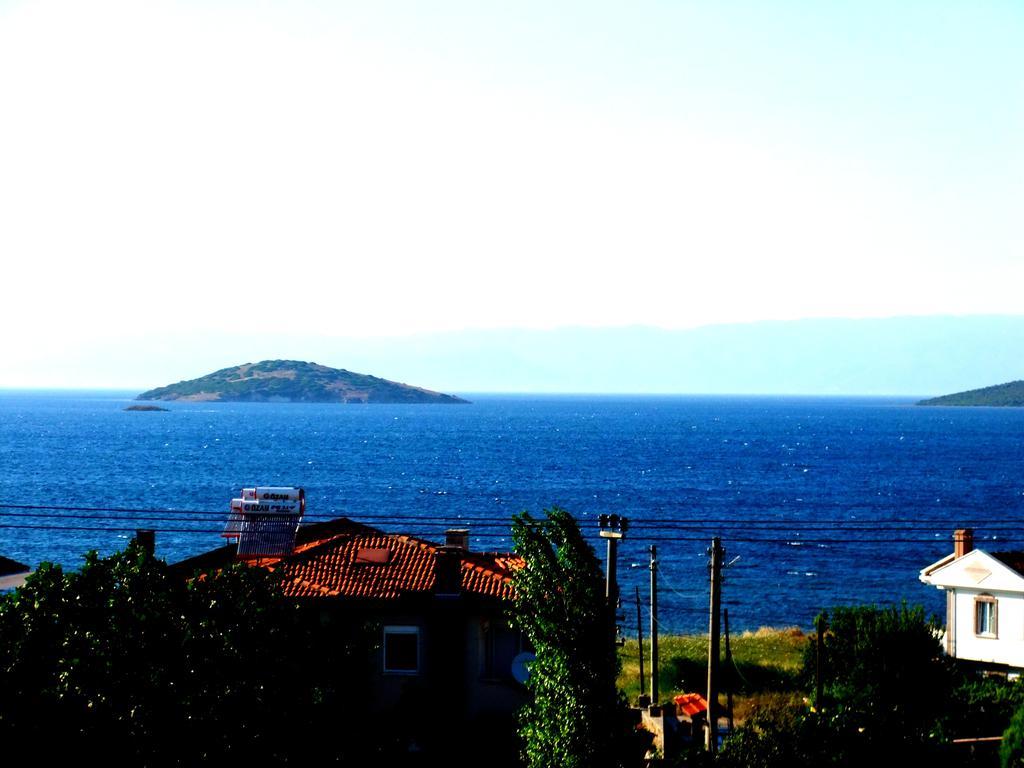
x,y
297,382
765,670
1010,394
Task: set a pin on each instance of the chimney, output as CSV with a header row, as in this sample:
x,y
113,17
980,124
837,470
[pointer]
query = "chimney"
x,y
963,542
457,538
146,538
448,571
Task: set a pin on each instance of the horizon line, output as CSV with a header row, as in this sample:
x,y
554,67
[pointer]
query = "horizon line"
x,y
122,390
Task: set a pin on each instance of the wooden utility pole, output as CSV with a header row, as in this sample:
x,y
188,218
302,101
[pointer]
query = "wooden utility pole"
x,y
613,528
819,648
640,647
717,554
654,624
729,665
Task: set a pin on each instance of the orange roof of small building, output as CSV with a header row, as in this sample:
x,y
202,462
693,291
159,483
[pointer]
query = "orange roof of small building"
x,y
343,558
691,704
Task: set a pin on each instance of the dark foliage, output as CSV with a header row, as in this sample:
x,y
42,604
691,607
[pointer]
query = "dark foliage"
x,y
1011,750
884,669
887,694
982,706
124,662
797,738
575,717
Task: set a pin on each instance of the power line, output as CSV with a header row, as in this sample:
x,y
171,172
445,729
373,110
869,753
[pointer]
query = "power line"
x,y
75,512
661,522
104,509
217,516
57,513
427,526
796,538
826,523
790,541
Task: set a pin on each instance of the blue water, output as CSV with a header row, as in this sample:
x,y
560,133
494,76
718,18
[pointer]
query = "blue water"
x,y
821,479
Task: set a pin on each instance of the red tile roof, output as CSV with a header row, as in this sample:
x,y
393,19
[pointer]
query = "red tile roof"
x,y
342,558
1014,560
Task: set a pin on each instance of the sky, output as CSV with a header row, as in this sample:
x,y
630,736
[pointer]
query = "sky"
x,y
354,170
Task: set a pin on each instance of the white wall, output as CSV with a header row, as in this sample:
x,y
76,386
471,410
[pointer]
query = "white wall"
x,y
1008,646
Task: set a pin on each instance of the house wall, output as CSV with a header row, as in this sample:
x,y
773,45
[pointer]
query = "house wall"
x,y
452,679
1007,647
493,691
408,693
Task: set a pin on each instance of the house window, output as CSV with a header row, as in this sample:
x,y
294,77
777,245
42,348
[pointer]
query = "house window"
x,y
500,645
985,616
401,650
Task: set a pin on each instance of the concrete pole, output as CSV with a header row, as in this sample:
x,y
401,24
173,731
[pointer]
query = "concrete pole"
x,y
819,648
711,735
729,664
611,585
640,646
654,624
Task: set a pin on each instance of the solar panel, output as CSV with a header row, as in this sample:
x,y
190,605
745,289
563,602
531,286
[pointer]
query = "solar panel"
x,y
267,534
265,521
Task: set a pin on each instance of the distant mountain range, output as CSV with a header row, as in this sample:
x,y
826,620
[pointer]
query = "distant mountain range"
x,y
910,356
905,356
1010,394
296,382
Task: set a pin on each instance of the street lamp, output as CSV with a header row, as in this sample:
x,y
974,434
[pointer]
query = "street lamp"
x,y
613,528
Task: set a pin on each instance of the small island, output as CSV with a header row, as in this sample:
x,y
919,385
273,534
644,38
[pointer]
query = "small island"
x,y
1009,395
293,381
146,408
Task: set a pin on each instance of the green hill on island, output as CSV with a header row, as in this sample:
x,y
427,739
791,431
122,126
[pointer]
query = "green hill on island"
x,y
284,381
1010,394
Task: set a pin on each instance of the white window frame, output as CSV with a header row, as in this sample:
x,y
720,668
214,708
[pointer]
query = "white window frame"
x,y
400,629
992,630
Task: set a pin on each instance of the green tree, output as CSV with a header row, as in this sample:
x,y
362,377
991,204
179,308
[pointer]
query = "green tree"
x,y
1011,750
887,692
984,706
782,737
125,660
575,715
885,668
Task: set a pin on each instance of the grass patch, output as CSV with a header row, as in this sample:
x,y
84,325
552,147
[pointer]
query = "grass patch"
x,y
765,671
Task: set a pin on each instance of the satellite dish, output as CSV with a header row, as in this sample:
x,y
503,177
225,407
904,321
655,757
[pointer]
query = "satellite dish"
x,y
521,668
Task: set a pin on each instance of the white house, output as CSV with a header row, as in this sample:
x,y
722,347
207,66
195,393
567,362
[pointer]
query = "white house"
x,y
984,602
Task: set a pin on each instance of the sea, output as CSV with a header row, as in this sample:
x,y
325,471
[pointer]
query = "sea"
x,y
817,501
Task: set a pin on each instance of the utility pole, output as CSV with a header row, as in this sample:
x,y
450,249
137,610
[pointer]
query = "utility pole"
x,y
729,666
611,582
819,648
717,555
613,528
640,650
654,624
